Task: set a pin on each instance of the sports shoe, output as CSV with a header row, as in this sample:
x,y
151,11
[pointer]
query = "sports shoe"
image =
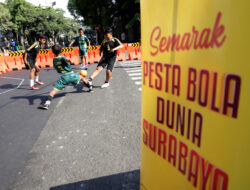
x,y
34,88
39,82
90,85
82,67
105,85
46,105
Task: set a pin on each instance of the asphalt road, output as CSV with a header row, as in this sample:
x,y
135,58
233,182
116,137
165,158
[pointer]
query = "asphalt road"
x,y
84,141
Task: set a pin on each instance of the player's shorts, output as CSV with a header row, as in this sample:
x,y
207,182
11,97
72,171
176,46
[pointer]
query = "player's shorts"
x,y
66,79
107,61
83,52
30,63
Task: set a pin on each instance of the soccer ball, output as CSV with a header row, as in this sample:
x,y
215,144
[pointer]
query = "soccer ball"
x,y
83,73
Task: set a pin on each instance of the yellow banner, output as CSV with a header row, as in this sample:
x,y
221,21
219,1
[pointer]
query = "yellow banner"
x,y
195,95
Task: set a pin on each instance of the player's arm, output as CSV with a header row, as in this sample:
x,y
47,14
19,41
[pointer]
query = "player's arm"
x,y
118,44
68,61
88,41
25,57
71,43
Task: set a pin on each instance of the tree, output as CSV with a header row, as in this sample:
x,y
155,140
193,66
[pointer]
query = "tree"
x,y
119,14
5,19
28,20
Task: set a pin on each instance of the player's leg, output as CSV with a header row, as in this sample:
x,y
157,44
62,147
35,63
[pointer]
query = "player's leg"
x,y
101,65
86,61
60,85
37,71
87,83
32,76
49,99
110,67
82,62
31,66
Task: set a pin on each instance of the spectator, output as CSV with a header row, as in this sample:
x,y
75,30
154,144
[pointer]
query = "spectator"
x,y
6,45
25,43
17,48
12,44
51,43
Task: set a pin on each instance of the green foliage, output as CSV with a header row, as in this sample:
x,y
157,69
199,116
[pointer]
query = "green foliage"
x,y
28,19
97,12
120,14
5,19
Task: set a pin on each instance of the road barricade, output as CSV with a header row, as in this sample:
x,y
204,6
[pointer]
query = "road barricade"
x,y
45,58
72,53
94,54
3,67
134,51
14,61
121,54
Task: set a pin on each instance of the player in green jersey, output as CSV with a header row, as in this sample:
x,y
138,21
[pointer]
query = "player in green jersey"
x,y
83,43
62,66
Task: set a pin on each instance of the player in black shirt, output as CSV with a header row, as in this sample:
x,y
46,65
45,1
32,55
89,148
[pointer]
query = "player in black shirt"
x,y
30,61
109,47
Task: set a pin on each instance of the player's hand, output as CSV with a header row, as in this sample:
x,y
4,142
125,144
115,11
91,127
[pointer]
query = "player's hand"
x,y
112,50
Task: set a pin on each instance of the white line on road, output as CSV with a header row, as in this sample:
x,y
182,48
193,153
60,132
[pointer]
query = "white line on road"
x,y
60,101
138,82
13,88
130,69
134,74
136,78
139,89
133,71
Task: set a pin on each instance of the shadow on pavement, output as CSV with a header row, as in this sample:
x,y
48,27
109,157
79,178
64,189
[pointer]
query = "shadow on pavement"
x,y
122,181
34,97
8,86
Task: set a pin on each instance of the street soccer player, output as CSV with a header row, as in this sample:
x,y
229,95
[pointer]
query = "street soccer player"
x,y
62,66
109,47
30,61
83,44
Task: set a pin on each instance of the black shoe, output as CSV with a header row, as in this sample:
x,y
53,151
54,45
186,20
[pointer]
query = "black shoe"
x,y
90,86
45,106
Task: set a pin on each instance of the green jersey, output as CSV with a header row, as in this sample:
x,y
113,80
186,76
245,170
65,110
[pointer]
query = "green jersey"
x,y
61,65
82,42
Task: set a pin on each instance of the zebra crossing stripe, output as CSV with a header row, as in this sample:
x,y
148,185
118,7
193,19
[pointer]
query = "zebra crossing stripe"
x,y
134,74
136,78
133,71
130,69
138,82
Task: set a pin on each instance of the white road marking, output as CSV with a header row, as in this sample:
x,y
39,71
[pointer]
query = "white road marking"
x,y
138,82
133,71
60,101
130,69
134,74
14,88
139,89
136,78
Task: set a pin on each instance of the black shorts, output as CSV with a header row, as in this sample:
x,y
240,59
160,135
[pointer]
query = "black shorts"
x,y
107,61
30,63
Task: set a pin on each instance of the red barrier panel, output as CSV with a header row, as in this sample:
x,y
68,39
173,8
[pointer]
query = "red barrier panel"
x,y
3,67
96,53
131,53
45,57
91,56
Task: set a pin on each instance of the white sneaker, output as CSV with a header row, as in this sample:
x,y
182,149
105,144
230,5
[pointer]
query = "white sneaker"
x,y
82,67
105,85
